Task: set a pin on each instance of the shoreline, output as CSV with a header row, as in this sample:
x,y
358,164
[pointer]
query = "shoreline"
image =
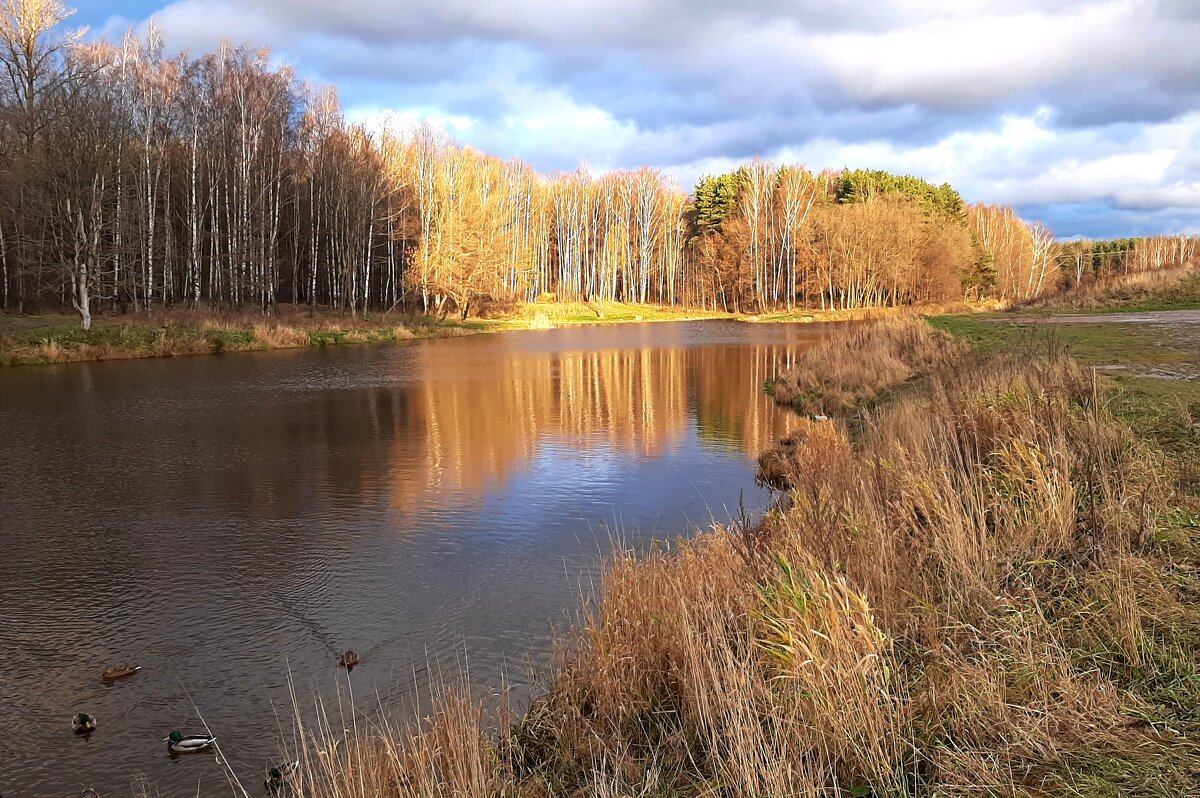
x,y
1089,616
48,339
994,500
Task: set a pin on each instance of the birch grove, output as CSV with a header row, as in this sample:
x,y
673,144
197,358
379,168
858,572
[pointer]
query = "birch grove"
x,y
130,180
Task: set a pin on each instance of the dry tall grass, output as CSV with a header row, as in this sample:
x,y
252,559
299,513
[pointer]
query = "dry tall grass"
x,y
856,365
541,321
1169,286
448,753
921,617
280,336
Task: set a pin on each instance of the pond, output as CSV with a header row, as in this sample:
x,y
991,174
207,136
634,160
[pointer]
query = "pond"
x,y
232,522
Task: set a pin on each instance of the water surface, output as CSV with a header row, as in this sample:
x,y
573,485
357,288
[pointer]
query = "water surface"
x,y
226,520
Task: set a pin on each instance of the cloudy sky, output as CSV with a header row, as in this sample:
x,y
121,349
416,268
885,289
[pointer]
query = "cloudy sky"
x,y
1083,114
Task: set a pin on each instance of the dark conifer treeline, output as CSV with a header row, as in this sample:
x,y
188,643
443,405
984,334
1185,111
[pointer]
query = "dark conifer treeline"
x,y
131,180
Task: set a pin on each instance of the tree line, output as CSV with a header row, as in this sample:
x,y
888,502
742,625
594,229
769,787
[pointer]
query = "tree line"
x,y
132,180
1082,261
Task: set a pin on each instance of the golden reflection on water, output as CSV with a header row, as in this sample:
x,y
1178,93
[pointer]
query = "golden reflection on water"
x,y
422,503
638,402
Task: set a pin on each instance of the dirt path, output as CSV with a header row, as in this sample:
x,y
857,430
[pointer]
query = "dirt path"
x,y
1161,344
1147,317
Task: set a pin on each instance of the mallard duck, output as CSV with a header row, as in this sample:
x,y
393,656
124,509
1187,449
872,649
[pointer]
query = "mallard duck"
x,y
83,723
281,775
119,672
177,743
348,659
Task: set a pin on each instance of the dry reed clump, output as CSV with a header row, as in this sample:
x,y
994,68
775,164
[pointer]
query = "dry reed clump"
x,y
972,518
856,364
450,752
280,336
813,448
54,352
920,618
541,321
692,676
51,352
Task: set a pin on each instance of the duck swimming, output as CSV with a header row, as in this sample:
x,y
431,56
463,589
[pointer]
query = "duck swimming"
x,y
119,672
83,723
281,775
348,659
177,743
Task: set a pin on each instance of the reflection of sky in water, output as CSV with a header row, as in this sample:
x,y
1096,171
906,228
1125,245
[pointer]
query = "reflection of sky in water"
x,y
237,518
609,491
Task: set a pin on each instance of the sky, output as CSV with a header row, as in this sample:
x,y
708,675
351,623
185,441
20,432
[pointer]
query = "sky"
x,y
1085,115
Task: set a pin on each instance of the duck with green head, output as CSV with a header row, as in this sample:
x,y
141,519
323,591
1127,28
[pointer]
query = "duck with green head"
x,y
179,743
83,723
282,774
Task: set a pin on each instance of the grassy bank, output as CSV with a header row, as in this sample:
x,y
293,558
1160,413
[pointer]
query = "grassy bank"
x,y
868,314
56,338
988,589
1151,373
1120,345
857,368
1176,289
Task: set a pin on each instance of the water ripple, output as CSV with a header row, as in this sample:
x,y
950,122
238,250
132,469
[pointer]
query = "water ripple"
x,y
227,522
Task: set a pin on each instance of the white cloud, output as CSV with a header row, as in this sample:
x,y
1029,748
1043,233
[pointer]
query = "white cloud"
x,y
963,61
1032,102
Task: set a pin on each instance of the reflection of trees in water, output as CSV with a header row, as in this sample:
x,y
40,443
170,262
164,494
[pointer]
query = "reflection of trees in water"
x,y
279,456
467,436
732,409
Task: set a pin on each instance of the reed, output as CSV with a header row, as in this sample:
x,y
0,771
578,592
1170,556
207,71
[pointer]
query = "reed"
x,y
965,597
279,336
856,366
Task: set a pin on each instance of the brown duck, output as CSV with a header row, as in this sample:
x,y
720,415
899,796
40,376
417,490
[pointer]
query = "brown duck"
x,y
119,672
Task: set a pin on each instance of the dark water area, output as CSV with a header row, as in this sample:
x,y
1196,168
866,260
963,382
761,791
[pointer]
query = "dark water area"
x,y
228,521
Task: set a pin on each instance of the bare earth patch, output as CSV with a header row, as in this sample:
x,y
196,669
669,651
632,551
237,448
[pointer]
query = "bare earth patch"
x,y
1147,317
1162,344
